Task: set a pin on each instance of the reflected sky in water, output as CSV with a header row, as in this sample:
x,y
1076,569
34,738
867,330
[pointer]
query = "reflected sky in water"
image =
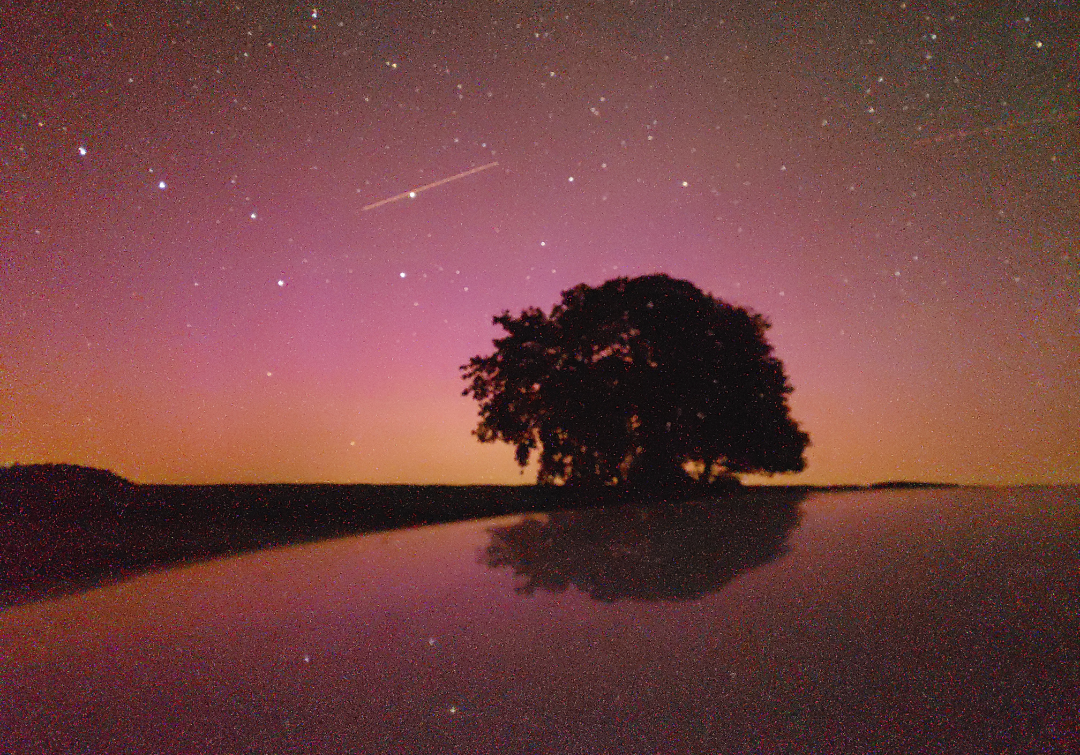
x,y
945,620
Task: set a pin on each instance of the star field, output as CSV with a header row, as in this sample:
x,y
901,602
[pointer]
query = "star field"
x,y
205,279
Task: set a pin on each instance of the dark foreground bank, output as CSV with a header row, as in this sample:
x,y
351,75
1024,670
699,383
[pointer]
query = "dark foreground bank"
x,y
67,528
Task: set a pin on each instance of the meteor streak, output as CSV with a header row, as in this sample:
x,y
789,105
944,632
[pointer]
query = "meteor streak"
x,y
411,193
954,136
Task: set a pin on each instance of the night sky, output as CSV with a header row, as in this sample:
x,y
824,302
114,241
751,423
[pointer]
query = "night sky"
x,y
193,290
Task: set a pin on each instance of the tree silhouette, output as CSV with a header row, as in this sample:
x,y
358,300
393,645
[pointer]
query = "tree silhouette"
x,y
676,552
640,382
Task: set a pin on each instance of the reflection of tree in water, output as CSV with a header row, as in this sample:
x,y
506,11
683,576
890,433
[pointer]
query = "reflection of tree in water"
x,y
667,552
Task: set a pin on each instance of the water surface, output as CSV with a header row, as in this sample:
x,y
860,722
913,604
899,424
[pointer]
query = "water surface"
x,y
883,621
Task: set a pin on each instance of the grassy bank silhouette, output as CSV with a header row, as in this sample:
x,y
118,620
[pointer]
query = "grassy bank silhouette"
x,y
68,528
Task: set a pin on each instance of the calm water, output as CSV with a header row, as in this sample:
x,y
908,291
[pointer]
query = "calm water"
x,y
887,621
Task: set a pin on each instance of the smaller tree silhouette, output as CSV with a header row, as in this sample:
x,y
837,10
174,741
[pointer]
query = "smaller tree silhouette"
x,y
640,382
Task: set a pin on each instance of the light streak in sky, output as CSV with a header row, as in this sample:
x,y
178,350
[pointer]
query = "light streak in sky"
x,y
955,136
411,193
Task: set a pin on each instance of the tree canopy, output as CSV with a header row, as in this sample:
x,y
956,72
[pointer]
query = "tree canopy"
x,y
640,382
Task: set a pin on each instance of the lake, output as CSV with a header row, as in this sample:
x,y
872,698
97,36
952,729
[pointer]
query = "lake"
x,y
926,620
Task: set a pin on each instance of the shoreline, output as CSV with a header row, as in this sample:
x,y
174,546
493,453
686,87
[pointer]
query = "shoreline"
x,y
70,528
